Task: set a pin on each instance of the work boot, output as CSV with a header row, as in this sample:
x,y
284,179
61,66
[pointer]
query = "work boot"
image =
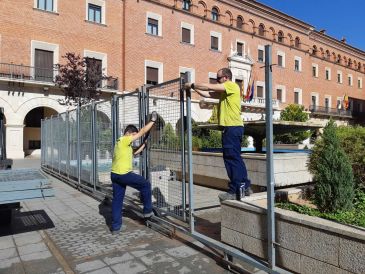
x,y
116,232
248,191
226,196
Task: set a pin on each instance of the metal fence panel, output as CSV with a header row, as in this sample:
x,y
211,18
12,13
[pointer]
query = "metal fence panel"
x,y
63,146
165,166
72,156
104,146
86,144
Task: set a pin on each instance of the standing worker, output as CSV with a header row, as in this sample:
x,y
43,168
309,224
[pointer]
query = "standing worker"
x,y
122,175
230,121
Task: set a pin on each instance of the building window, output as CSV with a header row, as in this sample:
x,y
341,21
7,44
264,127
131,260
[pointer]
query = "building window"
x,y
186,5
281,59
297,63
260,92
153,72
152,26
215,41
261,30
314,70
297,96
185,33
279,94
213,81
191,71
215,14
260,55
359,82
151,76
350,80
339,77
327,103
47,5
94,13
239,49
94,71
328,74
239,23
43,65
280,37
297,42
314,101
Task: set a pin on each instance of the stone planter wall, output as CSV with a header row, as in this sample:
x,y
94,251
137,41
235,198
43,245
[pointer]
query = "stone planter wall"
x,y
307,244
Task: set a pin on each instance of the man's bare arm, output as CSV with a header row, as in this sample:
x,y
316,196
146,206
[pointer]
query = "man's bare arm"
x,y
208,94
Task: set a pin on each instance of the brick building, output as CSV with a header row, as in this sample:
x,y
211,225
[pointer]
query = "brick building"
x,y
140,42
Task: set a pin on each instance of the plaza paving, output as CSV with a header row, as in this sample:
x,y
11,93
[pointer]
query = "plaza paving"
x,y
68,233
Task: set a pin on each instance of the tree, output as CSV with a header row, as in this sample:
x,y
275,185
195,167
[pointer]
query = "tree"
x,y
334,189
296,113
79,79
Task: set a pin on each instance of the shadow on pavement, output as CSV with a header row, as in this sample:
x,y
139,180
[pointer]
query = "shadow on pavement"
x,y
27,222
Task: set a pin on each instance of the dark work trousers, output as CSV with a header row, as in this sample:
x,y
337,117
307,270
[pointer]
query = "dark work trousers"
x,y
119,183
236,168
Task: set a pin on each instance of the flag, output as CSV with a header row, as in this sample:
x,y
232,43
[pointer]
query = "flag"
x,y
248,91
252,90
345,101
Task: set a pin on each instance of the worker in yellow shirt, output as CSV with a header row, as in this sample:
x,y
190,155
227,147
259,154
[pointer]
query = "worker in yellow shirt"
x,y
230,121
122,175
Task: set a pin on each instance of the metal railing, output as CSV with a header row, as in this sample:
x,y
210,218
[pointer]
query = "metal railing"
x,y
24,73
329,111
27,73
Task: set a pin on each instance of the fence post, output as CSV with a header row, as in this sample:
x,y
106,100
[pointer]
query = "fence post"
x,y
78,145
115,120
93,142
59,143
68,143
190,161
269,159
182,138
144,110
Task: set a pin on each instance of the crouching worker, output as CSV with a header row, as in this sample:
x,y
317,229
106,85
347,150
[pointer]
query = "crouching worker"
x,y
122,175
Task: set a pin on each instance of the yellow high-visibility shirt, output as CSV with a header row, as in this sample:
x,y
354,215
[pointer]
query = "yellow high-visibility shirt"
x,y
123,156
230,106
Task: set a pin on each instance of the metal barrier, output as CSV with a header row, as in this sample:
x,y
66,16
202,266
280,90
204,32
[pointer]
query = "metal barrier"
x,y
78,146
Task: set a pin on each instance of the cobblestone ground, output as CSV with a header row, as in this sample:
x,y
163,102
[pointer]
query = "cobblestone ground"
x,y
69,234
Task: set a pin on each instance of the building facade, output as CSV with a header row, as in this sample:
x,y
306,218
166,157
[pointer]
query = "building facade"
x,y
148,42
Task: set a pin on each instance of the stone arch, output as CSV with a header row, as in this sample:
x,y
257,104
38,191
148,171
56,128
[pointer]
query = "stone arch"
x,y
322,52
297,42
202,8
240,22
314,50
339,58
359,66
291,40
253,26
334,57
8,109
281,37
349,63
230,17
215,10
328,55
262,30
345,60
273,33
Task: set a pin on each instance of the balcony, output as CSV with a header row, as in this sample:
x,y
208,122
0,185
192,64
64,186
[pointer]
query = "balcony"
x,y
326,111
34,75
21,73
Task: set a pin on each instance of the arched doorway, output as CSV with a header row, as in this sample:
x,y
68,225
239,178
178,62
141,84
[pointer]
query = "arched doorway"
x,y
32,129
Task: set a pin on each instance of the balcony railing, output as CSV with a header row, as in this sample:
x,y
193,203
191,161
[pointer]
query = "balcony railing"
x,y
329,111
26,73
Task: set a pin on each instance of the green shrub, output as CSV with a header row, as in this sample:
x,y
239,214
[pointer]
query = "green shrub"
x,y
334,189
353,143
295,113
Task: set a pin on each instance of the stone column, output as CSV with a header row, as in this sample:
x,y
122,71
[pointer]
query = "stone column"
x,y
14,141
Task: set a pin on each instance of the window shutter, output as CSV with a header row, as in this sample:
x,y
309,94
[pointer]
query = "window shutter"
x,y
152,75
186,35
43,63
214,42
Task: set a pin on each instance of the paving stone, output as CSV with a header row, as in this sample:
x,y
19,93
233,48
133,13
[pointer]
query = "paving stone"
x,y
32,248
90,266
130,267
105,270
141,253
181,252
156,258
6,263
36,256
27,238
6,242
119,259
8,253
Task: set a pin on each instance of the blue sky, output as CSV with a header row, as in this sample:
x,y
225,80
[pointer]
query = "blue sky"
x,y
339,18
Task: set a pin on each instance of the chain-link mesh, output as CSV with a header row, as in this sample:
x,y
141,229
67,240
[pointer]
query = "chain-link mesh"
x,y
166,149
104,144
72,160
129,114
86,149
